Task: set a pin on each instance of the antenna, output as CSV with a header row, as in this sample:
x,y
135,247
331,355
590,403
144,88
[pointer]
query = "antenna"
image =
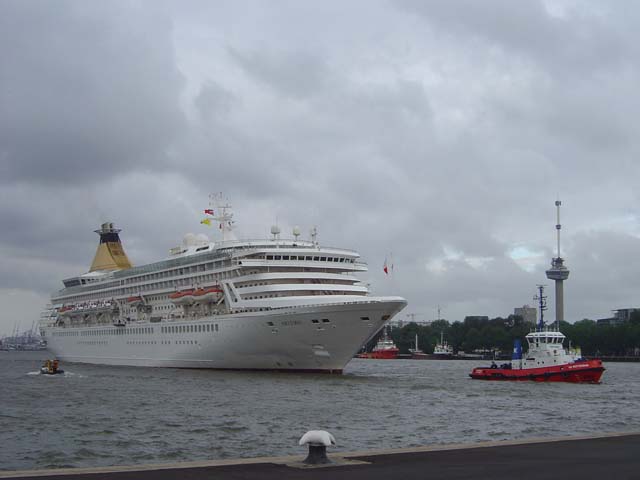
x,y
558,226
542,305
222,213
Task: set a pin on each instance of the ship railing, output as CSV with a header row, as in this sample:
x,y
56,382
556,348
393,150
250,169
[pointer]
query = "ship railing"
x,y
280,242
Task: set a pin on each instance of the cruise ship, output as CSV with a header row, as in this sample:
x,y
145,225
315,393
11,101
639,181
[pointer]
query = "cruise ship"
x,y
269,304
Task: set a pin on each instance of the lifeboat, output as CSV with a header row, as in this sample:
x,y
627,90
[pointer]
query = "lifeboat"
x,y
209,294
546,361
182,298
134,300
66,309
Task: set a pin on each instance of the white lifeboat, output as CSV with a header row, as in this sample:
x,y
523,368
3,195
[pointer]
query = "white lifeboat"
x,y
209,294
182,298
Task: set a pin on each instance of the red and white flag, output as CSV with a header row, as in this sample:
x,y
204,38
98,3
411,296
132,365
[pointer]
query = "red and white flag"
x,y
385,268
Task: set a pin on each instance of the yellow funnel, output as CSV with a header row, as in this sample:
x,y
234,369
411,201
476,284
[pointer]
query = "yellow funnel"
x,y
110,254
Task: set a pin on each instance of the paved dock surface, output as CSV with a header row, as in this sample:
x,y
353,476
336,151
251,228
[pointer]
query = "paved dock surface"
x,y
614,457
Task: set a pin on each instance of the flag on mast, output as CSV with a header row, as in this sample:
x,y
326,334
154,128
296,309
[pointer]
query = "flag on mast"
x,y
385,268
206,221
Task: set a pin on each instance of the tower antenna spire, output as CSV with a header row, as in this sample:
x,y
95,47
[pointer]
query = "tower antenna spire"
x,y
558,226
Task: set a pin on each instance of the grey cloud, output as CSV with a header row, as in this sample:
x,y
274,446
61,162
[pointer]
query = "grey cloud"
x,y
86,91
214,100
295,73
583,39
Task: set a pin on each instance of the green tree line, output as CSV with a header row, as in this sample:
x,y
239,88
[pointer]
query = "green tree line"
x,y
499,333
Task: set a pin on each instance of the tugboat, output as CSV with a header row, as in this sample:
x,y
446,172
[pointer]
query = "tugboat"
x,y
385,349
442,350
546,360
50,367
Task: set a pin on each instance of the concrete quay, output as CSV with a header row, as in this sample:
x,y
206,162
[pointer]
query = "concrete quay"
x,y
605,457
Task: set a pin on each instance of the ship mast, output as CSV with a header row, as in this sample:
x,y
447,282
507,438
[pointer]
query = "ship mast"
x,y
542,305
223,215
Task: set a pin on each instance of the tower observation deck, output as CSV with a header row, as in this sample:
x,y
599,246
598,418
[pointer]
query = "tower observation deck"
x,y
558,271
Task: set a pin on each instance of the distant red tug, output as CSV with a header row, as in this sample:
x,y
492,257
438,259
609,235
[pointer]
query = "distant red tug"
x,y
546,361
385,349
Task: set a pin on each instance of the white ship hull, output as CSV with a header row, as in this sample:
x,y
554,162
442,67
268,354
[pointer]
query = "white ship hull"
x,y
320,338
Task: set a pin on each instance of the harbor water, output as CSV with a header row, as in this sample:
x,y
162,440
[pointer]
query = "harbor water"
x,y
98,415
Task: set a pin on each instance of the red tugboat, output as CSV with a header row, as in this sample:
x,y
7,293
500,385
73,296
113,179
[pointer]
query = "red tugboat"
x,y
546,361
385,349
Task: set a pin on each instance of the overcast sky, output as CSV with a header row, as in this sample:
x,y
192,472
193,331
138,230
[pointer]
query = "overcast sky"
x,y
438,132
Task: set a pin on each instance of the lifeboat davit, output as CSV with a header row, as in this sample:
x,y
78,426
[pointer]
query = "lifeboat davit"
x,y
210,294
546,361
182,298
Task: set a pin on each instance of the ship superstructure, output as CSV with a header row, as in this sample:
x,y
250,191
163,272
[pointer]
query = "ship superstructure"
x,y
272,303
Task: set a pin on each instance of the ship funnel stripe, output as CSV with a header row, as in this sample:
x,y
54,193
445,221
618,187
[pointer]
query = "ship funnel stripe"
x,y
109,237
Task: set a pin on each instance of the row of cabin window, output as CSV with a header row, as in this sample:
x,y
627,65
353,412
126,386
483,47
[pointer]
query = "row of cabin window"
x,y
111,331
65,334
208,327
310,258
315,320
176,272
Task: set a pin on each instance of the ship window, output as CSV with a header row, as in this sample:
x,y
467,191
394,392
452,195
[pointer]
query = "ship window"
x,y
323,259
308,258
366,319
216,327
316,258
207,327
285,257
315,320
269,257
325,320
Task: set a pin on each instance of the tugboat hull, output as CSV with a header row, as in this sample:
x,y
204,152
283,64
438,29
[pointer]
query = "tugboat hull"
x,y
586,371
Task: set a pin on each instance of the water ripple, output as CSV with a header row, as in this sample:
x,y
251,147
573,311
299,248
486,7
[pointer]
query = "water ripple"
x,y
120,415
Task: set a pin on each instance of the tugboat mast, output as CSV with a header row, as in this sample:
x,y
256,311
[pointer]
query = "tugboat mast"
x,y
542,305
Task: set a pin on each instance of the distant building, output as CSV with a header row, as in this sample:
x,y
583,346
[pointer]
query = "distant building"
x,y
620,316
529,314
624,314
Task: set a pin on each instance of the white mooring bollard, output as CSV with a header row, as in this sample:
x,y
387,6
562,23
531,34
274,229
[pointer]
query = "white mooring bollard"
x,y
318,441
